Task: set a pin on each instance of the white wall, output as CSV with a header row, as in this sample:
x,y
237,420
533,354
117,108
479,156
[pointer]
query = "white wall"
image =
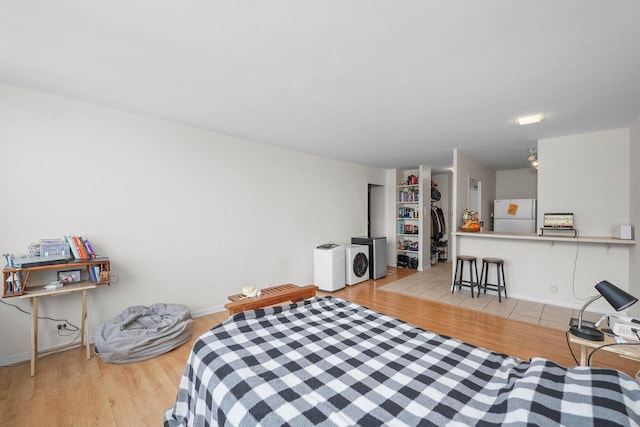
x,y
587,174
634,212
185,215
517,183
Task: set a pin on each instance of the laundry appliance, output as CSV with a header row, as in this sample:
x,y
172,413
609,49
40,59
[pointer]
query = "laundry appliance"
x,y
356,263
329,267
377,255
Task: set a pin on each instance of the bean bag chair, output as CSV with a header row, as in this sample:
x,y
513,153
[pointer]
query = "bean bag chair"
x,y
140,333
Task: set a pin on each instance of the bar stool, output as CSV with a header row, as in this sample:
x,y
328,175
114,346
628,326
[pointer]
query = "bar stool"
x,y
458,280
502,283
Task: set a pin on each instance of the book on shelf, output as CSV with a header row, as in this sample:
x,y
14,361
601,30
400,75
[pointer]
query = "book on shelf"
x,y
405,213
87,245
407,228
94,273
72,246
80,247
407,196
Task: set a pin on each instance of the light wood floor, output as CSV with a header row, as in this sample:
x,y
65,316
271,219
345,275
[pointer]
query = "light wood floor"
x,y
435,284
68,390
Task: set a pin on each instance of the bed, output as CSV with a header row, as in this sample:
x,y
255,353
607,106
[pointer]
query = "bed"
x,y
327,361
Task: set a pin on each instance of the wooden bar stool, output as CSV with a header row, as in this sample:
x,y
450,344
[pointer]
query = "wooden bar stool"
x,y
502,283
458,279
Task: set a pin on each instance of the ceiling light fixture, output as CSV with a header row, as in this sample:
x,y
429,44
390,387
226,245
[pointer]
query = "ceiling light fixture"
x,y
527,120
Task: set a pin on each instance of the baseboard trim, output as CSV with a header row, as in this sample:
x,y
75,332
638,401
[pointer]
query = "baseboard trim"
x,y
207,311
18,358
25,356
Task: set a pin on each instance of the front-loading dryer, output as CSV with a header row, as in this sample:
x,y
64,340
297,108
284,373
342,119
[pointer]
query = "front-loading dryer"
x,y
357,263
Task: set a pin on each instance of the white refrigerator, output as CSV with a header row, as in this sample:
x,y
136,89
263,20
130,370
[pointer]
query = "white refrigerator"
x,y
514,215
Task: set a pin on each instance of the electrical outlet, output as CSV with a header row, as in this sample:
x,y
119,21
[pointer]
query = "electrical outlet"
x,y
553,289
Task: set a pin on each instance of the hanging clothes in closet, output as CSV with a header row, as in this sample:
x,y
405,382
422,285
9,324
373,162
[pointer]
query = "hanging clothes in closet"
x,y
438,231
438,226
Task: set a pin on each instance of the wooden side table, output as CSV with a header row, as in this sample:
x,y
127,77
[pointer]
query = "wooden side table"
x,y
270,296
587,347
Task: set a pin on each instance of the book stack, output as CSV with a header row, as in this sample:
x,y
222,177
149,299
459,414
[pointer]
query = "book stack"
x,y
94,274
80,247
409,196
407,229
404,212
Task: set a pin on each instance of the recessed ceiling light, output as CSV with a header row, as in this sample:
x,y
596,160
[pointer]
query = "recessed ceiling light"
x,y
527,120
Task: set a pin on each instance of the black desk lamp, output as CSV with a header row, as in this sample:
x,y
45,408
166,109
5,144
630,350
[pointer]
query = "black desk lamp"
x,y
618,299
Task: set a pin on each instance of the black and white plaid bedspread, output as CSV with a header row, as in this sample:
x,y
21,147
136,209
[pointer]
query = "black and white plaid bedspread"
x,y
327,361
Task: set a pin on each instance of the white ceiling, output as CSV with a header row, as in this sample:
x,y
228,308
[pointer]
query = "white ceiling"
x,y
388,83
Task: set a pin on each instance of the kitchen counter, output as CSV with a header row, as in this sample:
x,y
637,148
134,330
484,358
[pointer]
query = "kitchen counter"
x,y
536,237
553,270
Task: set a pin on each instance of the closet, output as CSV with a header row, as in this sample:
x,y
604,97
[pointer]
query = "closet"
x,y
439,245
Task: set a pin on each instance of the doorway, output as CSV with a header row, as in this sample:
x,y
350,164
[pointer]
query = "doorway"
x,y
475,196
375,211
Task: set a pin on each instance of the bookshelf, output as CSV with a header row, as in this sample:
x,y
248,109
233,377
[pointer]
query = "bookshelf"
x,y
16,281
409,218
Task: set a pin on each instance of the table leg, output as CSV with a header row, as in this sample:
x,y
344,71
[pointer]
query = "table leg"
x,y
34,334
84,332
583,355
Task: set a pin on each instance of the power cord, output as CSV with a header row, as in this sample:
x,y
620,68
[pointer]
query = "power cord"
x,y
66,330
72,328
573,277
610,345
599,348
566,335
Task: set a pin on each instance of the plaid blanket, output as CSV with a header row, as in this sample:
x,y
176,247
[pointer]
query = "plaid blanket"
x,y
326,362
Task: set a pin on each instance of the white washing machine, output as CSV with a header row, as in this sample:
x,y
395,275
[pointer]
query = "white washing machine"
x,y
357,263
328,267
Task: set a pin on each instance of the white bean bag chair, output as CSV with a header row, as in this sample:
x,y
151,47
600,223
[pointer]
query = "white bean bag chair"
x,y
140,333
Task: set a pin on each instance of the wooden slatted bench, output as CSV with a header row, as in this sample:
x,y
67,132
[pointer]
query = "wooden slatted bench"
x,y
270,296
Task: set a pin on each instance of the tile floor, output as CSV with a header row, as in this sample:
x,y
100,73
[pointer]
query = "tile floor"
x,y
435,284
